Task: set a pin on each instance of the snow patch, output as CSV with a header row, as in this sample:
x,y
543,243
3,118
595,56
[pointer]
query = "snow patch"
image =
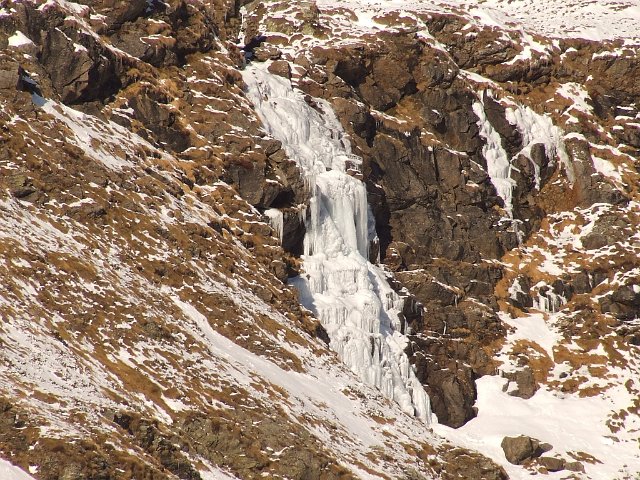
x,y
9,471
19,39
106,142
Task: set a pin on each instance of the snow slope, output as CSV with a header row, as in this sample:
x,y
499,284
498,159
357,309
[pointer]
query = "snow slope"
x,y
11,472
74,336
593,20
570,422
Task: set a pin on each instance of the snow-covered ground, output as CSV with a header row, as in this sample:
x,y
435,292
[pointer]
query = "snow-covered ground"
x,y
312,397
590,19
9,471
569,422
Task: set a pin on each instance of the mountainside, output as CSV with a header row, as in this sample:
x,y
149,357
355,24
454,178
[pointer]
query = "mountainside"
x,y
319,239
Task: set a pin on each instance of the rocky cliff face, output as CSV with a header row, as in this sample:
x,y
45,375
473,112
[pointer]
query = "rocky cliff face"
x,y
408,95
148,329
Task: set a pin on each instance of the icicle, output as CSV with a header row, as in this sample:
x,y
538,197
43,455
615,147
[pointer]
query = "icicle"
x,y
276,220
350,296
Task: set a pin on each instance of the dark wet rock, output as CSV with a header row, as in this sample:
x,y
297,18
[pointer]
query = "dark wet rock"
x,y
520,296
452,396
450,357
358,117
496,114
293,231
322,334
80,68
586,281
590,187
563,288
530,176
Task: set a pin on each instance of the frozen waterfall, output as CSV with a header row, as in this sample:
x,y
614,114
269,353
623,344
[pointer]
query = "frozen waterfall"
x,y
350,296
498,162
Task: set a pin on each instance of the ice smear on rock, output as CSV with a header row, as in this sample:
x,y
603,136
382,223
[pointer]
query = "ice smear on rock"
x,y
538,129
350,296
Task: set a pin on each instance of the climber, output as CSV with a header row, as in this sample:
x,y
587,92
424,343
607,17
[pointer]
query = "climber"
x,y
254,43
26,83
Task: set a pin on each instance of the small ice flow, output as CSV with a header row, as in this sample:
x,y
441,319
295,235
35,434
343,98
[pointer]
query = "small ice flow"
x,y
350,295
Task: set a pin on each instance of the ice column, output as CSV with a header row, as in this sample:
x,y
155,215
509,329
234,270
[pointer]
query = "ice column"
x,y
350,296
498,163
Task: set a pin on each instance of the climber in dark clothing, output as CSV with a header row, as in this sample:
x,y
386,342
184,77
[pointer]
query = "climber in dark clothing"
x,y
26,83
254,43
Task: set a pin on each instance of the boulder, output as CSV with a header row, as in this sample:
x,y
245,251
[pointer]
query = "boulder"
x,y
521,383
262,54
518,450
552,464
623,303
574,467
281,68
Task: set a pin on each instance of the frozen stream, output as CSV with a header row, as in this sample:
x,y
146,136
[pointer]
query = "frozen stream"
x,y
350,296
